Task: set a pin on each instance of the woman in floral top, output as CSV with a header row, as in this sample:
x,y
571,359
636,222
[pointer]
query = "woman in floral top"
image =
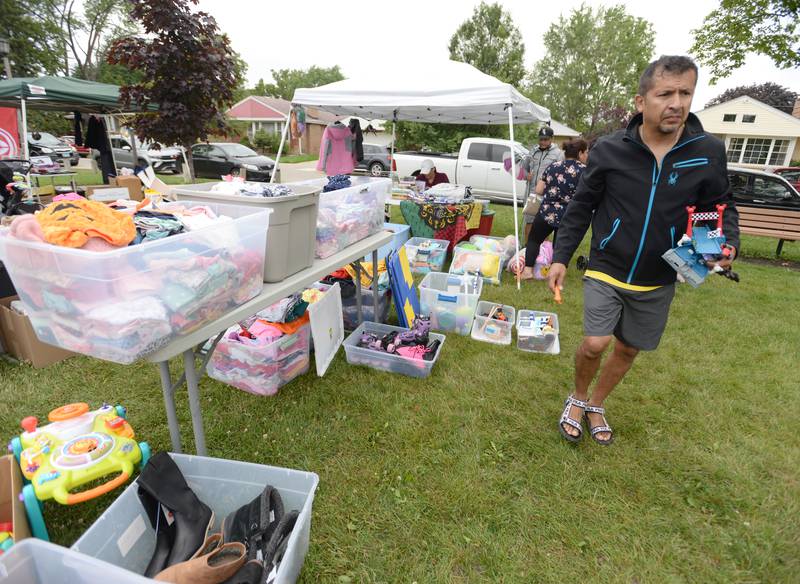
x,y
557,184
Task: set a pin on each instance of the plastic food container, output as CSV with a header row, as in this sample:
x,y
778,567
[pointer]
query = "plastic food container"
x,y
450,300
385,361
261,369
426,255
123,304
487,264
123,536
493,330
33,561
292,225
533,335
348,215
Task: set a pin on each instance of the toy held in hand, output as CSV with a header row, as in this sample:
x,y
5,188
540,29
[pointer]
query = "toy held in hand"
x,y
700,248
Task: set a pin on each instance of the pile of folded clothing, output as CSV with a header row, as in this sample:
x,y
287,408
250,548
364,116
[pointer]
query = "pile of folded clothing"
x,y
267,351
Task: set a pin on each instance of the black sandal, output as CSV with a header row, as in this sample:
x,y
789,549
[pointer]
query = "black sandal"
x,y
604,427
565,419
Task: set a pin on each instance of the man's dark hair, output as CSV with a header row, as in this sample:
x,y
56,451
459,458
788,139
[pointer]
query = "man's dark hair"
x,y
674,64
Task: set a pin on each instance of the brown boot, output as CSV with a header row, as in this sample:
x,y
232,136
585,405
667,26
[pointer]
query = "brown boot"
x,y
213,568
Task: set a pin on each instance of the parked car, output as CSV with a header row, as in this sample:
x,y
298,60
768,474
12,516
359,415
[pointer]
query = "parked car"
x,y
165,158
45,144
216,159
478,164
790,173
123,154
83,151
754,188
377,159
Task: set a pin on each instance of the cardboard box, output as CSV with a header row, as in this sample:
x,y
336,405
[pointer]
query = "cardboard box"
x,y
132,183
20,340
107,193
11,508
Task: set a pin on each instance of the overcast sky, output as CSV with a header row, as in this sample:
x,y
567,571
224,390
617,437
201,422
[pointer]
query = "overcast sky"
x,y
361,36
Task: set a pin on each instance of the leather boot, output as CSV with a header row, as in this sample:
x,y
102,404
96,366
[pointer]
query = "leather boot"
x,y
213,568
251,573
162,480
276,546
165,533
253,524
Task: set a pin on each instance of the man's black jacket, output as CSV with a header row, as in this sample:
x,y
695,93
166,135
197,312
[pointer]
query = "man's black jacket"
x,y
639,209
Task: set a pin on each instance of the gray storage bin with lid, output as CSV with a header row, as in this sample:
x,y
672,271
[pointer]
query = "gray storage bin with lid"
x,y
292,234
123,536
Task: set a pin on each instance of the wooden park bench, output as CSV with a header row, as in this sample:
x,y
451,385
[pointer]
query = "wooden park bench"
x,y
783,224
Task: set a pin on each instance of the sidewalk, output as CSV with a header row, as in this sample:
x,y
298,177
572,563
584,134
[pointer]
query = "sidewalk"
x,y
300,171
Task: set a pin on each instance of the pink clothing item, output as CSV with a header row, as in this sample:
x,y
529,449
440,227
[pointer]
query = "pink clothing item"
x,y
27,227
336,152
67,197
98,244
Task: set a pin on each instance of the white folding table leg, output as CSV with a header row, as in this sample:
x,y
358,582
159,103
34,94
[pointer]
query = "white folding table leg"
x,y
193,388
169,405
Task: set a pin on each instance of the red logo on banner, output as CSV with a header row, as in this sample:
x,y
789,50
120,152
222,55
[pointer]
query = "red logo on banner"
x,y
9,145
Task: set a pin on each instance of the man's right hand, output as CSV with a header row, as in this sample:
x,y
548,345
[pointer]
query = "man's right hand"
x,y
555,277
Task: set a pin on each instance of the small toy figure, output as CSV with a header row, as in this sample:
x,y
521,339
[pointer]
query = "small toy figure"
x,y
700,248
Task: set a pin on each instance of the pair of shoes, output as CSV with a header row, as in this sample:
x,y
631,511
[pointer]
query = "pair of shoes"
x,y
212,564
565,419
180,519
604,427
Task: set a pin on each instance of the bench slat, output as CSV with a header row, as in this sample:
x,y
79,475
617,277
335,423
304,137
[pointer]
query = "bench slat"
x,y
771,233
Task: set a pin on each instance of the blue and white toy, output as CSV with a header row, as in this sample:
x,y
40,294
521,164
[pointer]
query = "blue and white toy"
x,y
699,246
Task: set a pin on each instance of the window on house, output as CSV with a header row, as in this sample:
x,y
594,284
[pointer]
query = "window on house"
x,y
779,148
729,118
756,151
749,118
735,147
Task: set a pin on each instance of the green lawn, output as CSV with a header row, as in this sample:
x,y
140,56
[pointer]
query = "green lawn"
x,y
293,158
463,477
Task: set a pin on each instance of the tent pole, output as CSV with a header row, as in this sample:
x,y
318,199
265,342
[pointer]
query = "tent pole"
x,y
24,136
391,156
134,150
514,180
280,149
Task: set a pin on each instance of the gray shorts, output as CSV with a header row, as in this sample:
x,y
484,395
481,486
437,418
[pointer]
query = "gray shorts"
x,y
637,319
528,218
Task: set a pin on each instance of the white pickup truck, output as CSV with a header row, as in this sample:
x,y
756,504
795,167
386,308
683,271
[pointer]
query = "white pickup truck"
x,y
479,165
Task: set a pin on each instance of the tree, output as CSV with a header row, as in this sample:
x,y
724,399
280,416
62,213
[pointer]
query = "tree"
x,y
33,35
739,27
287,80
770,93
188,68
594,60
490,42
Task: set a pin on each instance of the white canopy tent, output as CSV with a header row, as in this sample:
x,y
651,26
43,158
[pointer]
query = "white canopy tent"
x,y
448,92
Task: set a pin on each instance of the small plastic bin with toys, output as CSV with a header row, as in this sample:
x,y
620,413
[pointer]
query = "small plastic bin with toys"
x,y
494,323
76,448
450,300
537,332
484,256
412,352
426,255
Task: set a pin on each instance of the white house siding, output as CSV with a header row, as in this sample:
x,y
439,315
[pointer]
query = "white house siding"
x,y
770,140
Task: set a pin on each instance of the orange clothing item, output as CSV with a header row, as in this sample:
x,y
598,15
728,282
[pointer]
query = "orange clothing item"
x,y
73,223
289,328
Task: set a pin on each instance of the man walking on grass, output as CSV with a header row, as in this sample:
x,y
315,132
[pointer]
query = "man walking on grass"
x,y
634,192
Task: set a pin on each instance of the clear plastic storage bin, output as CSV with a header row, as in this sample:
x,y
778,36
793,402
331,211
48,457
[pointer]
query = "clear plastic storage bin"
x,y
385,361
292,224
122,304
33,561
401,235
493,330
537,332
426,255
348,215
261,369
123,536
450,300
350,306
487,264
